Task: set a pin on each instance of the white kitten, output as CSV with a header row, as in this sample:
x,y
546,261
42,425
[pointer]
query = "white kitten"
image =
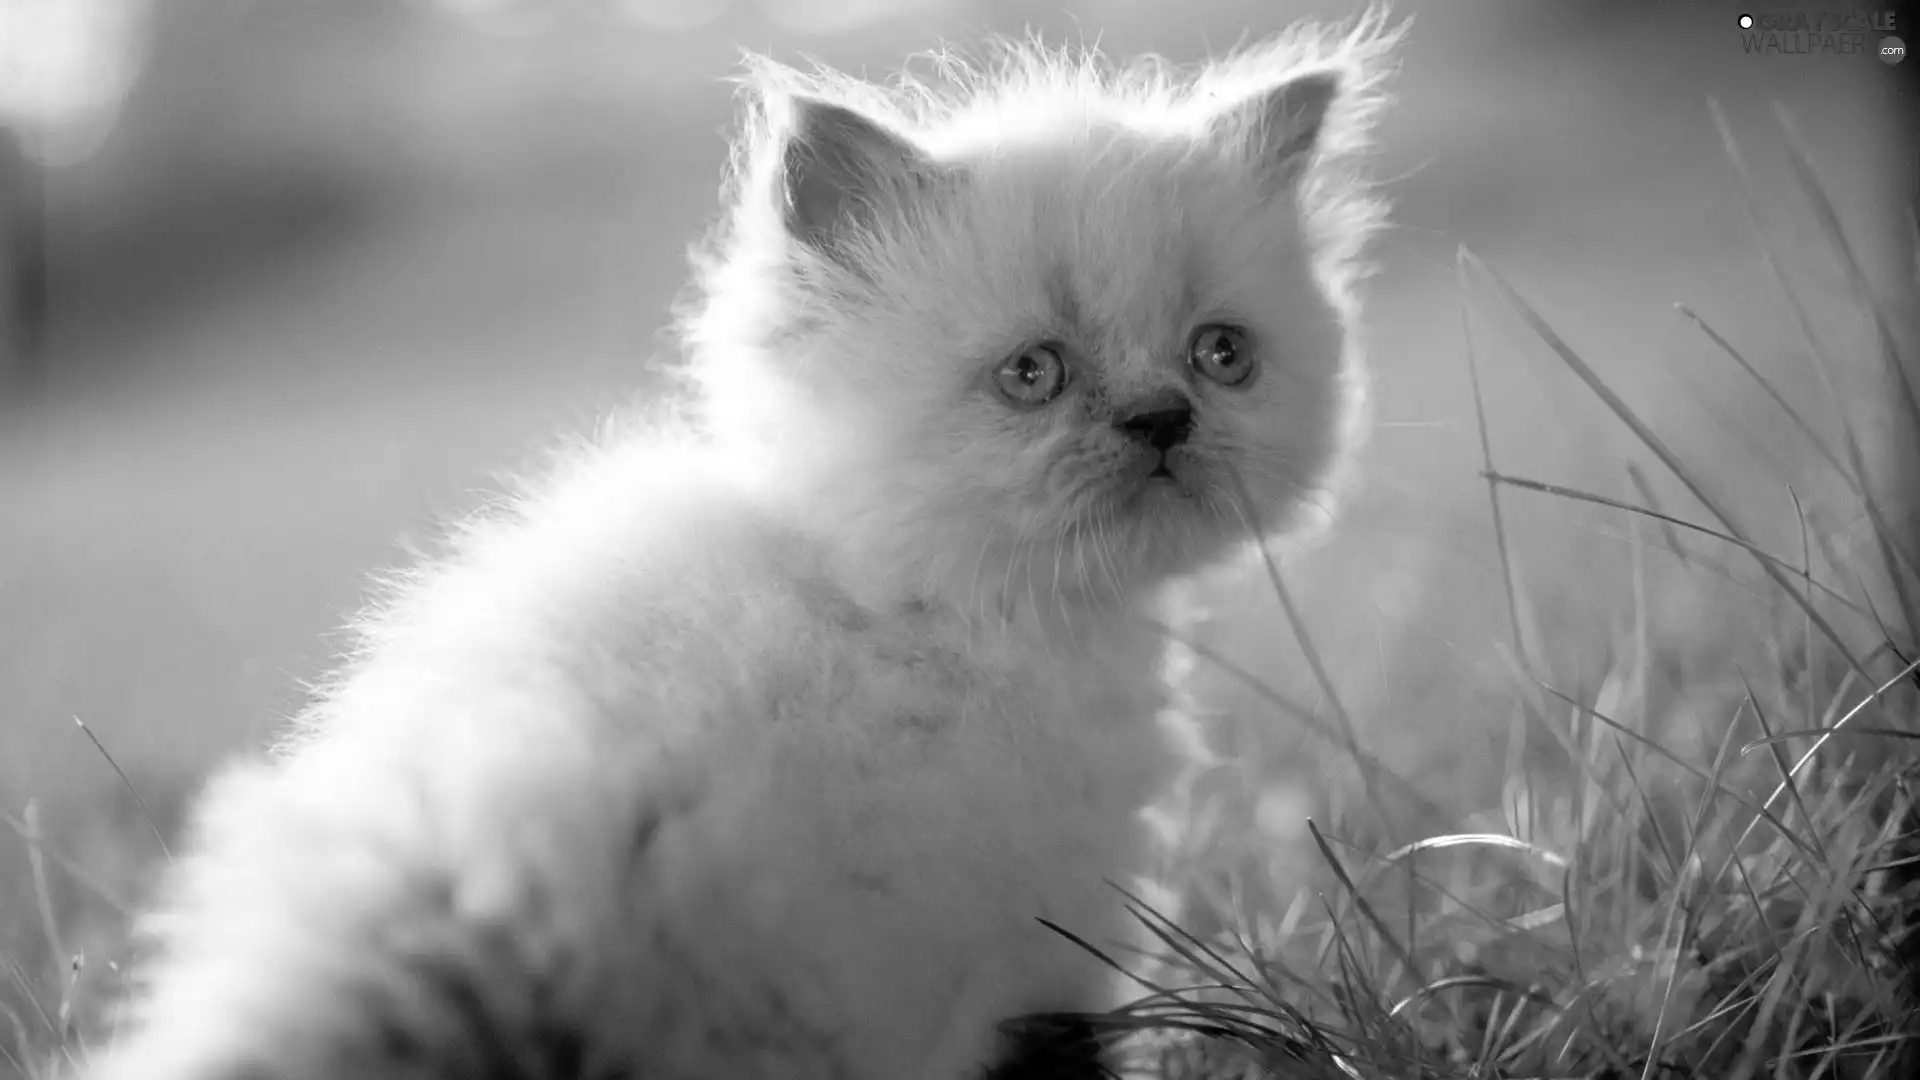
x,y
758,749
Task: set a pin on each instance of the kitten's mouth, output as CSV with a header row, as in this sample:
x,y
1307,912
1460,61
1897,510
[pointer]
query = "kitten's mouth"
x,y
1163,471
1164,478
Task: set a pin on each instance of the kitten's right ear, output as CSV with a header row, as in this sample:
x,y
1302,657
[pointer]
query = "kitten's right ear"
x,y
840,171
1276,131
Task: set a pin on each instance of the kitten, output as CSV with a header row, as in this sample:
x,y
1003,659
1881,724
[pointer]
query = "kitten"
x,y
758,745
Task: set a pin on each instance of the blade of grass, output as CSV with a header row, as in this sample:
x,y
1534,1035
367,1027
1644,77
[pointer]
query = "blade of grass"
x,y
42,895
1429,808
1678,908
1582,761
1690,769
1856,732
1780,762
1809,657
1816,192
1823,363
1379,925
1642,634
1521,646
1896,550
1455,982
146,814
1913,246
1250,513
1836,727
72,869
1478,913
1759,553
1204,958
1672,873
1652,441
1098,954
1499,840
23,981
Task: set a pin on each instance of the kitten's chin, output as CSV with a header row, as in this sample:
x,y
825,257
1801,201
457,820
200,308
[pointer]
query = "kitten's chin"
x,y
1178,486
1158,524
1184,519
1167,483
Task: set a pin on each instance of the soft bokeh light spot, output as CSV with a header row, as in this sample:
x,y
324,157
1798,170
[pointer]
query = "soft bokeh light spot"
x,y
65,69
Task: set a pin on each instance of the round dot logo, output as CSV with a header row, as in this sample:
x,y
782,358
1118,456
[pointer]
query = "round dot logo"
x,y
1746,22
1892,50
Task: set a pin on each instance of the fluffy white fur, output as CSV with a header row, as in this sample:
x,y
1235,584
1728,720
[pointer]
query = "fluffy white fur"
x,y
757,746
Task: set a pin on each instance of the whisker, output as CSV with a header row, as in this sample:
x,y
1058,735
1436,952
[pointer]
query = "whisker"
x,y
1104,537
973,589
1059,598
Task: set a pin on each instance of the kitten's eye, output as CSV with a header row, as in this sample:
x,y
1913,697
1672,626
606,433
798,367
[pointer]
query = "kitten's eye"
x,y
1221,354
1033,377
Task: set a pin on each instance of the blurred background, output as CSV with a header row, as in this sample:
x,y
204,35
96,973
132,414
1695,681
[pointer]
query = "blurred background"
x,y
288,281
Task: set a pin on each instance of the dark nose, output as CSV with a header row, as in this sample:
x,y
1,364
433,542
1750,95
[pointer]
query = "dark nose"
x,y
1163,426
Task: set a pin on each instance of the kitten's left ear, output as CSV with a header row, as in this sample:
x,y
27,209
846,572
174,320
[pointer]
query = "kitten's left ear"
x,y
841,171
1276,131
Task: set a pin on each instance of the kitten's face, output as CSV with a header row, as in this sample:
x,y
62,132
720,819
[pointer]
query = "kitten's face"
x,y
1061,371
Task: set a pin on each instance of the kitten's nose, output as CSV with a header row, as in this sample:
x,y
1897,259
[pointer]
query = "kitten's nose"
x,y
1163,425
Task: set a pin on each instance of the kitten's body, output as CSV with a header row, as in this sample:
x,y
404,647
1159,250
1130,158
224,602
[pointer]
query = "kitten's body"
x,y
827,810
760,750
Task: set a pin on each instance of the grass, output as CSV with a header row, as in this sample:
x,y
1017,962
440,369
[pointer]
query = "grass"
x,y
1633,913
1629,909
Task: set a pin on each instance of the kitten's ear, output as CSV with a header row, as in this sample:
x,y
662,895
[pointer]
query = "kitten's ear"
x,y
1276,131
840,170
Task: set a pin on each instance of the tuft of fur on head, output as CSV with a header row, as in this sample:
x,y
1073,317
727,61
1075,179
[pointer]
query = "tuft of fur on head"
x,y
887,246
